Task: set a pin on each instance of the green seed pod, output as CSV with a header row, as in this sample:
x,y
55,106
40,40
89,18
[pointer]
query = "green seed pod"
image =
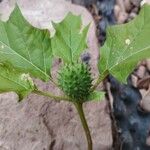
x,y
75,80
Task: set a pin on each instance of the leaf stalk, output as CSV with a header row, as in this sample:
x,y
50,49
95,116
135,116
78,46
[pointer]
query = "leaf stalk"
x,y
99,80
58,98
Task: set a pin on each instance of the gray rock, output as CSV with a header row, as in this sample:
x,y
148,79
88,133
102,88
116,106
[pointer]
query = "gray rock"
x,y
145,103
38,123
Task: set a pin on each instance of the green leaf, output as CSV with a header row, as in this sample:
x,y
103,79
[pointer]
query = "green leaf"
x,y
126,45
96,96
25,47
12,80
69,40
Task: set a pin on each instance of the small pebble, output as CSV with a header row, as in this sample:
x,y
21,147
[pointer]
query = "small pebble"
x,y
143,92
144,83
143,63
148,141
122,17
121,5
132,15
135,10
135,2
148,64
127,5
86,57
145,103
117,11
141,72
134,80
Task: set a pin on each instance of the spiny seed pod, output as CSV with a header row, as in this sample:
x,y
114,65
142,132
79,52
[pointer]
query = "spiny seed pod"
x,y
75,80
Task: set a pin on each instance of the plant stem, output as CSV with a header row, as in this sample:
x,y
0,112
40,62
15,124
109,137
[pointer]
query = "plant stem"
x,y
79,107
99,80
51,95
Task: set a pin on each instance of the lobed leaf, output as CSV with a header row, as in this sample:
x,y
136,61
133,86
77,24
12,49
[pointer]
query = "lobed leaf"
x,y
12,80
69,41
96,96
25,47
126,45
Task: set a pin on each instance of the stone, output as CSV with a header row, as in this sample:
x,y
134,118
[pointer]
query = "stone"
x,y
122,17
141,71
38,123
134,80
121,5
136,2
148,141
144,83
132,15
145,103
148,64
117,11
127,4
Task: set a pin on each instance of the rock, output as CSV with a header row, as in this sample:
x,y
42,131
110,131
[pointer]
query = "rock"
x,y
148,141
122,17
127,5
83,2
143,92
148,64
117,11
136,2
135,10
145,103
21,128
144,83
106,11
121,5
132,15
130,118
141,71
38,123
134,80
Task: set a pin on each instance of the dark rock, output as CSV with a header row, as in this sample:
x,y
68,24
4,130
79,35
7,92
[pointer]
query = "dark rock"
x,y
131,120
106,10
86,57
86,3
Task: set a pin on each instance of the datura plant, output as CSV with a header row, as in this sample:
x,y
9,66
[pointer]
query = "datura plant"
x,y
26,52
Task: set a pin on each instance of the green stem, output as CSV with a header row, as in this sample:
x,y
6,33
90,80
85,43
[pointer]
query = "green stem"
x,y
99,80
79,107
59,98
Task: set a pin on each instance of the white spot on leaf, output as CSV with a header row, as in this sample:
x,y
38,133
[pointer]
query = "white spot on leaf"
x,y
127,41
2,46
26,77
